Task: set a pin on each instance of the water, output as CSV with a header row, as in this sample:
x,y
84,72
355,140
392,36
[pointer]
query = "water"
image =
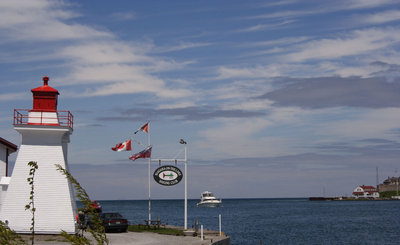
x,y
279,221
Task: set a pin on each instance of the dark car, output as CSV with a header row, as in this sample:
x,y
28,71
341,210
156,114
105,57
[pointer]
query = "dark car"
x,y
114,222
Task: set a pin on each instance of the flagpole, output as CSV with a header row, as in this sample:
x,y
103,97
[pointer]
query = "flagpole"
x,y
185,160
148,145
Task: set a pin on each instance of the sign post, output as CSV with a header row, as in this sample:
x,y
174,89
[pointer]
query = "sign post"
x,y
170,170
149,161
184,142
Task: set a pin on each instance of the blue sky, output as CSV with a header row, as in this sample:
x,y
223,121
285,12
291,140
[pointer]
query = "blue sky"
x,y
275,98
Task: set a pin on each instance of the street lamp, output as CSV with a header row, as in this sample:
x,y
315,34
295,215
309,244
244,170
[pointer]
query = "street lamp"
x,y
184,143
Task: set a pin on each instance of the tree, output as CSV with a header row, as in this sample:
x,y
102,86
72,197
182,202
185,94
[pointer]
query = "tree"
x,y
97,230
31,205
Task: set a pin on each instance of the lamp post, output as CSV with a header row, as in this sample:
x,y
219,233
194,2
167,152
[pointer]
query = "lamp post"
x,y
185,144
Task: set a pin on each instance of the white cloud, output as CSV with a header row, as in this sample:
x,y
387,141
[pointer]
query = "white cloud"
x,y
103,52
120,79
108,73
95,58
233,92
263,27
382,17
259,71
41,20
278,3
179,47
365,124
275,69
284,14
233,137
56,31
390,58
357,43
123,16
347,70
12,96
281,41
324,57
361,4
327,7
239,95
239,137
177,105
288,130
249,105
139,86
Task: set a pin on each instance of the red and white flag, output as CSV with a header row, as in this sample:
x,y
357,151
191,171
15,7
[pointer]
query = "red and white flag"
x,y
146,153
124,146
144,128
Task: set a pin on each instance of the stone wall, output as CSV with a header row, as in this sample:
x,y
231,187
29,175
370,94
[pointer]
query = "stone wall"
x,y
391,187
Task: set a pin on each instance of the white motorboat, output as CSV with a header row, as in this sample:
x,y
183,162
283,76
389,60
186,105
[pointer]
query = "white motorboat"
x,y
208,200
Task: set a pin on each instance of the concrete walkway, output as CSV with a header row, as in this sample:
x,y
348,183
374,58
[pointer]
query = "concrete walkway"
x,y
137,238
148,238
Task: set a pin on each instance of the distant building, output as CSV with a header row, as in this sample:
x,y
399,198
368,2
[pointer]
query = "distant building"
x,y
390,184
365,191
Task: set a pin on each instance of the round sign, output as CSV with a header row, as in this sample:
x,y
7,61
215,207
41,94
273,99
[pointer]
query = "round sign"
x,y
168,175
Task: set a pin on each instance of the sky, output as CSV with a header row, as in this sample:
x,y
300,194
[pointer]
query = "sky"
x,y
274,98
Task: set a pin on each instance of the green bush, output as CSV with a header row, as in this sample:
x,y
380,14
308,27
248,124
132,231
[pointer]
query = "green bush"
x,y
387,194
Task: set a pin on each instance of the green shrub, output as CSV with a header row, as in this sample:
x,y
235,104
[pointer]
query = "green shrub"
x,y
387,194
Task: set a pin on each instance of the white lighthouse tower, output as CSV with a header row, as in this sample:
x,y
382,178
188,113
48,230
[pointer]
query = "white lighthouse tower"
x,y
45,135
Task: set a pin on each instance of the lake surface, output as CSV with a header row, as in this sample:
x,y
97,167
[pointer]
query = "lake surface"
x,y
279,221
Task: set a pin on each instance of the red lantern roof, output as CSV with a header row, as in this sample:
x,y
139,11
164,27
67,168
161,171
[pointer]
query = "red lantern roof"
x,y
45,87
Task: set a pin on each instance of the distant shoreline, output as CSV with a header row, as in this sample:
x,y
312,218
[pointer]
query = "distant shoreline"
x,y
350,199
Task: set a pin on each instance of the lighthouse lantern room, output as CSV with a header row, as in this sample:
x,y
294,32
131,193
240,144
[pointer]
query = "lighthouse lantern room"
x,y
45,97
45,134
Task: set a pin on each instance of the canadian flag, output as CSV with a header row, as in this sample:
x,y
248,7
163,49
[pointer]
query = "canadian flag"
x,y
124,146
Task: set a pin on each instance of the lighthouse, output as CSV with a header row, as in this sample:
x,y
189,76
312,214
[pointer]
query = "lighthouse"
x,y
45,134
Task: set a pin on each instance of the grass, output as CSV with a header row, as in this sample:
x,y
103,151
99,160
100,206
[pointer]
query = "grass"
x,y
55,240
163,231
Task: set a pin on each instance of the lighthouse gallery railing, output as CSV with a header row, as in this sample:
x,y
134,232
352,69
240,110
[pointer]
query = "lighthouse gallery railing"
x,y
24,117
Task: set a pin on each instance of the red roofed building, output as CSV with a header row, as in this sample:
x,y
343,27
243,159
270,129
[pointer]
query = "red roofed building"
x,y
365,191
6,148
